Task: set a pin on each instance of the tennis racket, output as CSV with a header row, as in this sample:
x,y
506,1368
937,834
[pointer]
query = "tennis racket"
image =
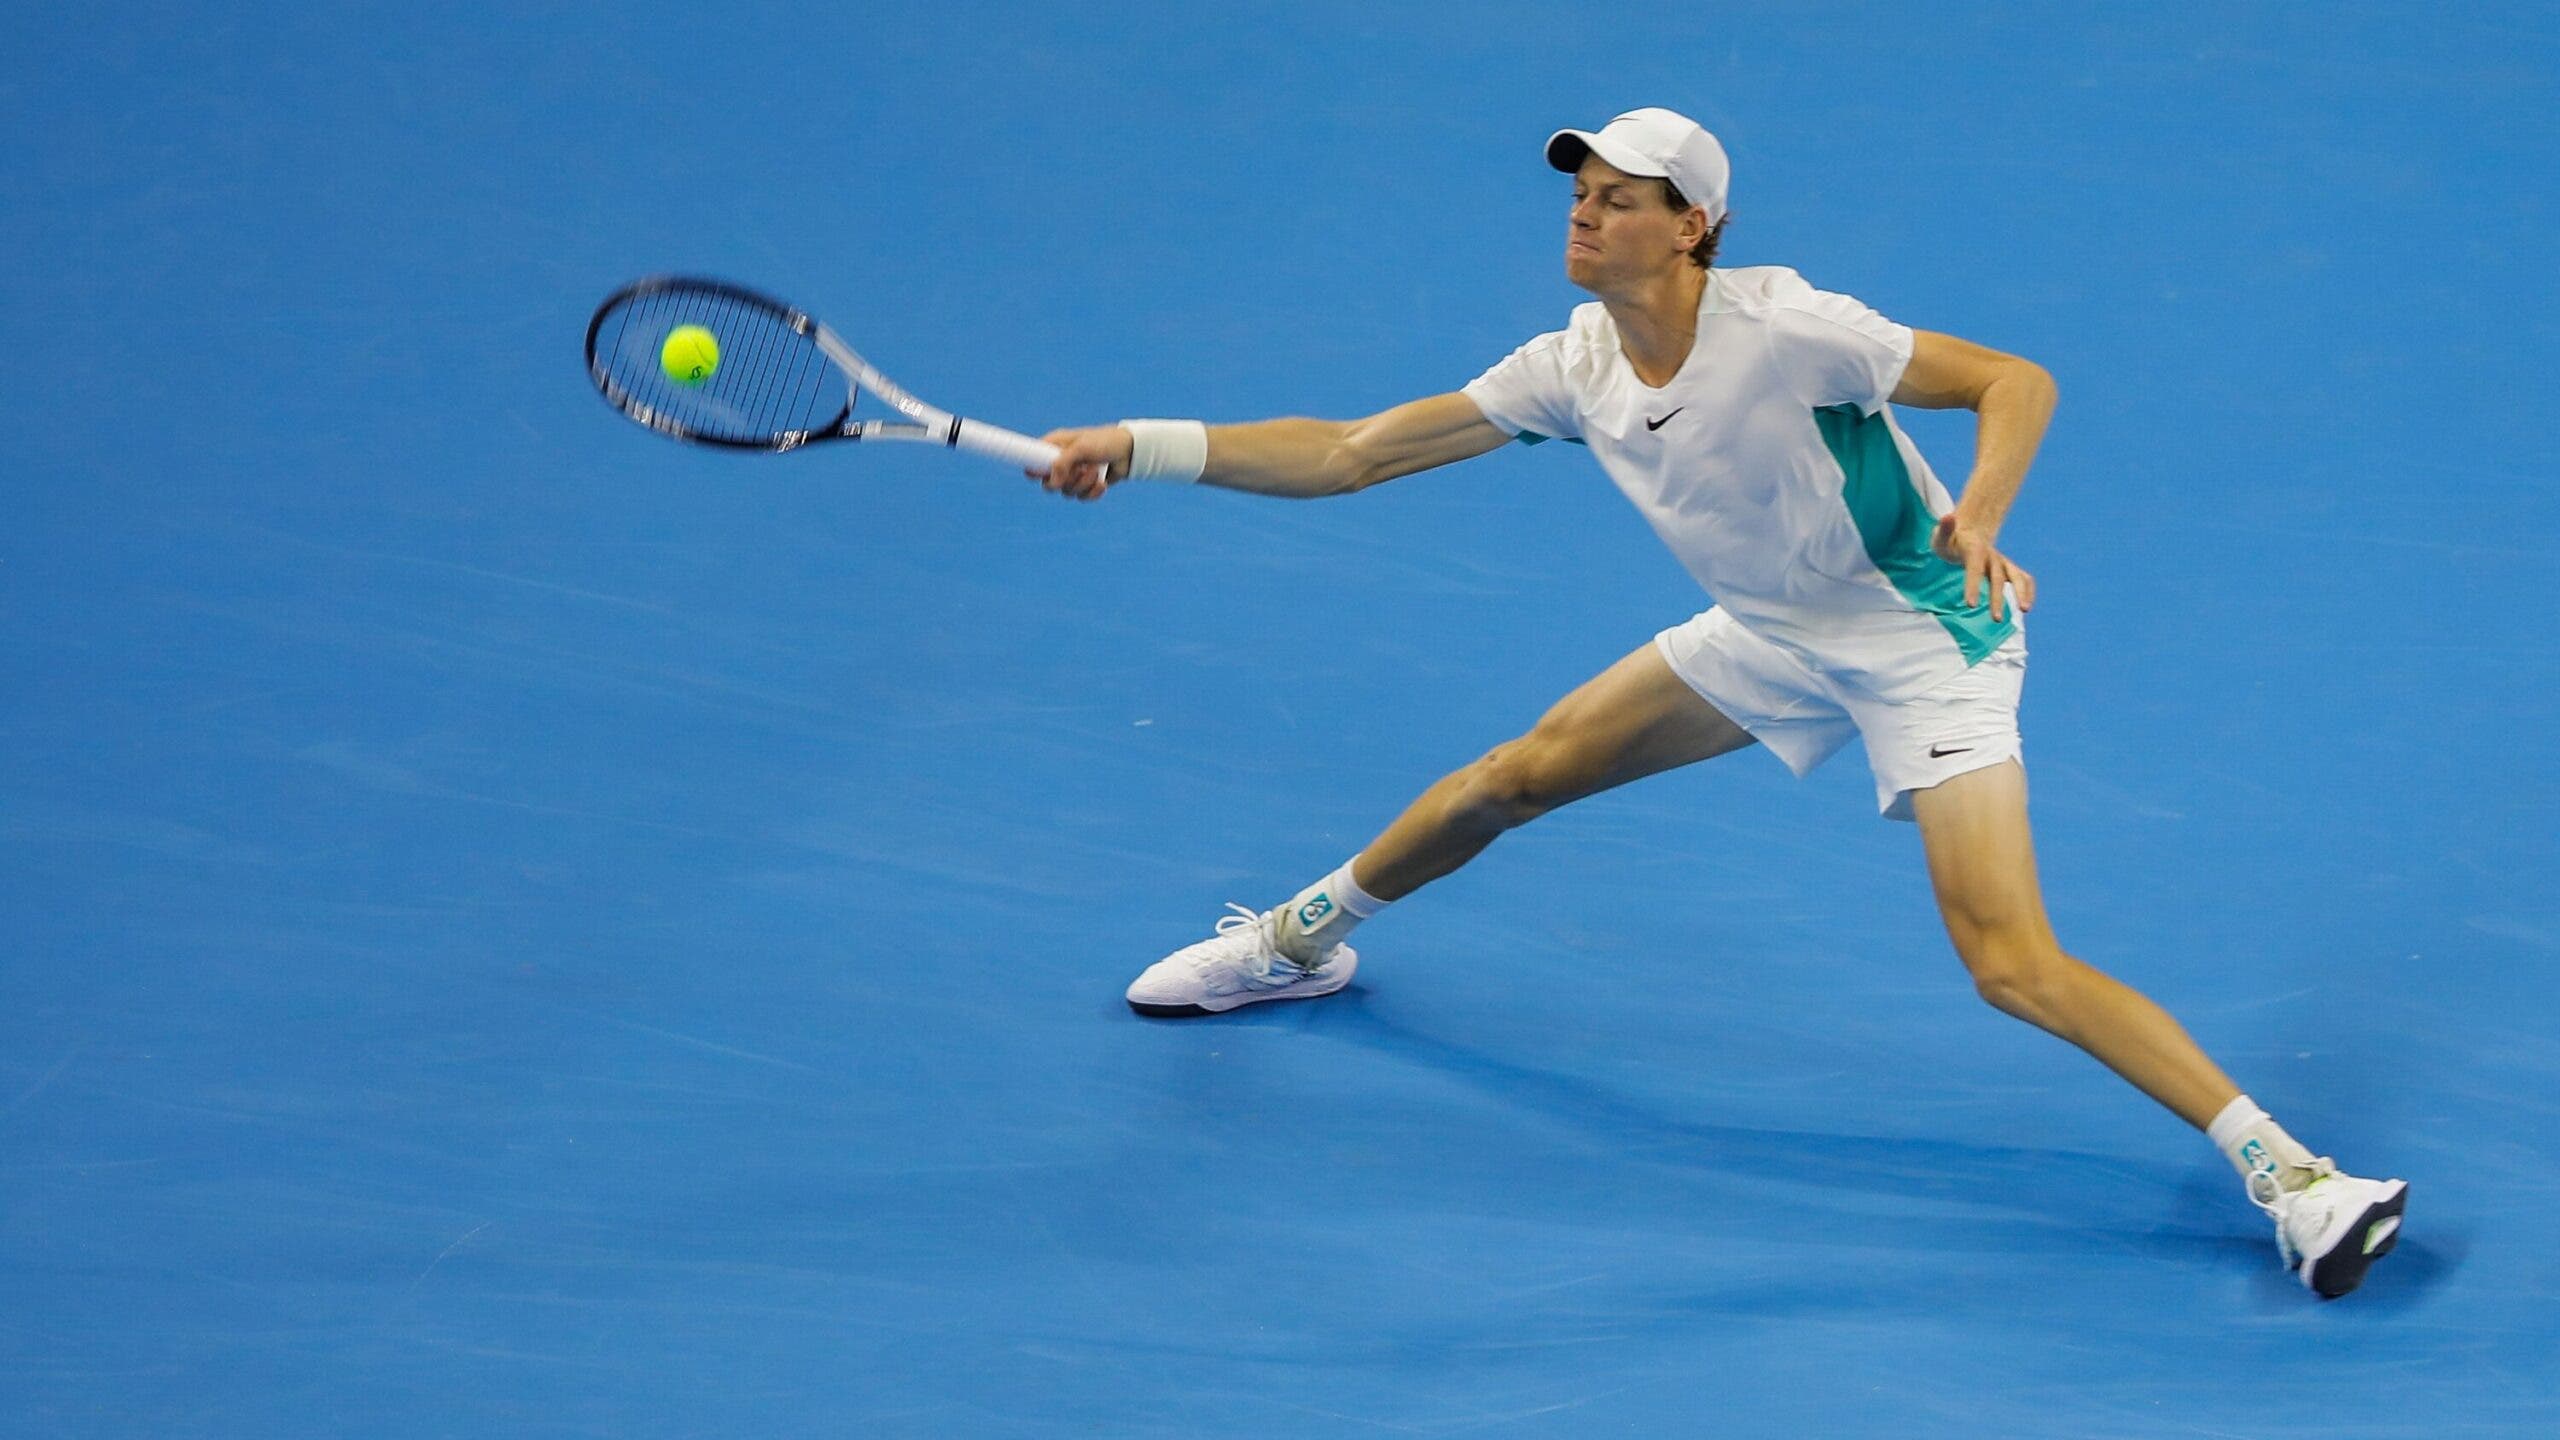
x,y
781,380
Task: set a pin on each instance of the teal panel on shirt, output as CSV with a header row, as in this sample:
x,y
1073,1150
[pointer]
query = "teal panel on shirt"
x,y
1896,527
1532,437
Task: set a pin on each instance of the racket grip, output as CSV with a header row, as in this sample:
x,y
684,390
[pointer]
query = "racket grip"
x,y
998,443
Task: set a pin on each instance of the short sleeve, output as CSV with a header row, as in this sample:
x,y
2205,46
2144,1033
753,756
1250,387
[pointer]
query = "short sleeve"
x,y
1836,351
1527,393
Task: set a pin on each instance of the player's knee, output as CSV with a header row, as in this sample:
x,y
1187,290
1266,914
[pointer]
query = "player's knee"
x,y
1520,780
2019,973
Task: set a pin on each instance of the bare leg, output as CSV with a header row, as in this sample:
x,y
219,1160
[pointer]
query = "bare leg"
x,y
1632,720
1982,863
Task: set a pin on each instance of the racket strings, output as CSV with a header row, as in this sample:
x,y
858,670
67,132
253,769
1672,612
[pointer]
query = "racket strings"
x,y
770,383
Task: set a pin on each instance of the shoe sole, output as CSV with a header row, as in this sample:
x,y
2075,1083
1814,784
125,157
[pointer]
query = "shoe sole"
x,y
2342,1269
1240,1000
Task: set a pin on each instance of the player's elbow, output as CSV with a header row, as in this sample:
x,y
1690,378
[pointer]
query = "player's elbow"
x,y
1350,467
2031,381
1365,475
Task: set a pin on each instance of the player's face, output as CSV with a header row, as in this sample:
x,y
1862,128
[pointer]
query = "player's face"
x,y
1622,229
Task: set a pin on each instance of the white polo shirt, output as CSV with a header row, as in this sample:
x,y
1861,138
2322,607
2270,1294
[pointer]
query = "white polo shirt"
x,y
1772,467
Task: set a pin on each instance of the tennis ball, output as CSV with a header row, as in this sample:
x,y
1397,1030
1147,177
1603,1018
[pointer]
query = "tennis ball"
x,y
690,355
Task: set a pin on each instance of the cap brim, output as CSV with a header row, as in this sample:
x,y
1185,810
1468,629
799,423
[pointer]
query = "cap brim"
x,y
1566,150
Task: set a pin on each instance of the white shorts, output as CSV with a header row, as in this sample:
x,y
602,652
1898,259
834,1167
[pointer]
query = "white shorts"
x,y
1804,717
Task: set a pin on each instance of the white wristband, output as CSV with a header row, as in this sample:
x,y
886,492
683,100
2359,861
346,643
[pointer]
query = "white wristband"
x,y
1176,450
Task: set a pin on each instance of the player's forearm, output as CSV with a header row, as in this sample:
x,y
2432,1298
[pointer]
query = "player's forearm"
x,y
1299,459
2010,425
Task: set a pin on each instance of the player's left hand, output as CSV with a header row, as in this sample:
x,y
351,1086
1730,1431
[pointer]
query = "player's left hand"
x,y
1960,544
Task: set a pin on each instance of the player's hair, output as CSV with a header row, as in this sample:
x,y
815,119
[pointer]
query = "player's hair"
x,y
1702,254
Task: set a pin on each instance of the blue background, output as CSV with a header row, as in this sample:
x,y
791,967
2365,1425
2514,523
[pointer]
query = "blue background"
x,y
510,926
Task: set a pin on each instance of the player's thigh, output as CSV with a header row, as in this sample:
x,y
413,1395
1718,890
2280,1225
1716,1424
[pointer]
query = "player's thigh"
x,y
1634,719
1982,858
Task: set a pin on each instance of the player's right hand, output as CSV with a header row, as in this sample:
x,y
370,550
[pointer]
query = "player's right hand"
x,y
1089,461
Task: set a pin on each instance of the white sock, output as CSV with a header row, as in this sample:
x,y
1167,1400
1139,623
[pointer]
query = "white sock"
x,y
2256,1145
1322,914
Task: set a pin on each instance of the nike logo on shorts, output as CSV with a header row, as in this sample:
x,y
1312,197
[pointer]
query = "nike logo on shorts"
x,y
1938,753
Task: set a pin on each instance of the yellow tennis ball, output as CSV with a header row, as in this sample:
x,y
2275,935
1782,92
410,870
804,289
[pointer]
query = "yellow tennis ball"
x,y
690,355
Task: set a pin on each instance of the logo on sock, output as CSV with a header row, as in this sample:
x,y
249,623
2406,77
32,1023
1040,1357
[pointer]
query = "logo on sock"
x,y
2260,1162
1313,913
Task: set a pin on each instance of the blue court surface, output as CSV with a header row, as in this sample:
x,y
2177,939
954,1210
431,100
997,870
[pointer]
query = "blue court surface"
x,y
510,926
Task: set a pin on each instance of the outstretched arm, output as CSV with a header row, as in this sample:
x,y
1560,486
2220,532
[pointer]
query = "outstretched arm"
x,y
1301,459
2012,400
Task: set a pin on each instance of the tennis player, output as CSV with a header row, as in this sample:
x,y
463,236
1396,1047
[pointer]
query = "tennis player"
x,y
1748,416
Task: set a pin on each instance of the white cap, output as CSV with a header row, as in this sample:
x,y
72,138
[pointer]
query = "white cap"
x,y
1653,142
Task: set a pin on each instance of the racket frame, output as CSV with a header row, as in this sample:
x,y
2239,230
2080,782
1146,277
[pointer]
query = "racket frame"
x,y
925,423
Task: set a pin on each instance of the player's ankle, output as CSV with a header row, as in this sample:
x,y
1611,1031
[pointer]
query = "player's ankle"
x,y
1322,915
2258,1147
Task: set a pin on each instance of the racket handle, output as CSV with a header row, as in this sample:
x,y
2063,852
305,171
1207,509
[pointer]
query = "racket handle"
x,y
998,443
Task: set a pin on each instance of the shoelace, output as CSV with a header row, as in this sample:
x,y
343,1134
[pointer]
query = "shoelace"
x,y
2274,1202
1265,959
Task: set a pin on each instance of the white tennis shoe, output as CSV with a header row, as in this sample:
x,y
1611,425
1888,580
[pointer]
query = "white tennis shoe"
x,y
2331,1229
1237,966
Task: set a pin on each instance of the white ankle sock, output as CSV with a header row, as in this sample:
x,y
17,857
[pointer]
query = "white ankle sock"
x,y
1322,914
2256,1145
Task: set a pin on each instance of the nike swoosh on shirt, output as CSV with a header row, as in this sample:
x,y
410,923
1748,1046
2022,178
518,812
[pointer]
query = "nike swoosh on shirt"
x,y
1652,424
